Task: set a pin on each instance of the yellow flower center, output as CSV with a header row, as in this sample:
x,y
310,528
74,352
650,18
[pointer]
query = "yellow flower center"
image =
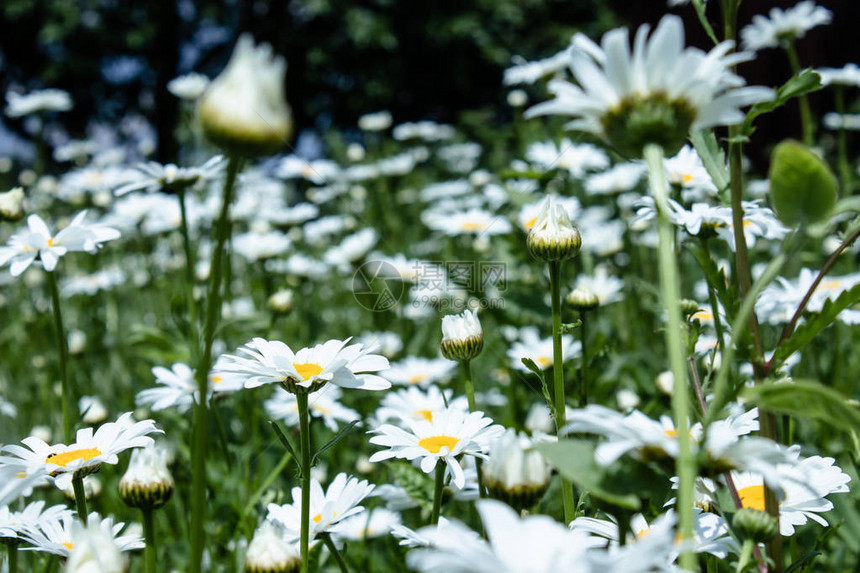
x,y
704,316
318,517
68,546
65,458
435,443
832,284
216,379
544,361
308,370
671,433
752,497
426,414
416,378
51,242
530,223
472,226
686,178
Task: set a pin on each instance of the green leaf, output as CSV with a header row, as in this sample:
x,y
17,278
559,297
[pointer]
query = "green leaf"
x,y
575,460
807,399
530,364
285,440
712,157
569,327
815,324
417,484
807,81
801,561
803,188
343,431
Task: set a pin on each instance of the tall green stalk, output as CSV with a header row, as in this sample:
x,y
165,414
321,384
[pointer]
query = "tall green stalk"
x,y
151,551
842,146
332,548
189,264
63,348
583,365
437,492
558,380
685,465
305,438
803,101
466,369
201,412
80,497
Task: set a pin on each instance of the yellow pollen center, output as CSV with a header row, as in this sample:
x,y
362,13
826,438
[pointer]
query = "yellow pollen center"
x,y
531,223
752,497
686,178
66,457
544,361
51,242
317,518
216,379
308,370
472,226
416,378
671,433
704,315
68,546
832,284
426,414
435,443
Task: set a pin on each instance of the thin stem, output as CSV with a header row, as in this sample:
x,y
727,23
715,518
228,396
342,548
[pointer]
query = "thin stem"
x,y
189,266
805,112
712,297
80,496
842,145
768,429
201,413
149,536
669,290
333,550
305,439
13,557
583,365
63,348
437,492
746,553
828,264
558,379
466,369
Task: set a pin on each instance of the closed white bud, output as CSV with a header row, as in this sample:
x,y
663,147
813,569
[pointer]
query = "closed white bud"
x,y
462,336
94,551
516,473
269,551
12,204
553,237
147,483
245,109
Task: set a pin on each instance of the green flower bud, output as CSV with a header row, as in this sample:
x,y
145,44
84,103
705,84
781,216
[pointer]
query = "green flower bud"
x,y
462,336
553,237
583,299
147,483
802,186
755,524
269,551
688,307
636,122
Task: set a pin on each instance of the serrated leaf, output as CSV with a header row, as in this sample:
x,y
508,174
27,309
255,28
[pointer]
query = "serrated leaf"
x,y
569,327
343,431
807,399
807,81
547,396
805,332
417,484
575,460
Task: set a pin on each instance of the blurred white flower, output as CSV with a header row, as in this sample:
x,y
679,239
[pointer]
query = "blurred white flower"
x,y
784,25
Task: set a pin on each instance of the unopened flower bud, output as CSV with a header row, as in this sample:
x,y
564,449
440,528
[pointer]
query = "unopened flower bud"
x,y
245,110
515,473
688,307
93,549
281,302
269,551
12,204
462,336
147,483
755,524
582,299
553,237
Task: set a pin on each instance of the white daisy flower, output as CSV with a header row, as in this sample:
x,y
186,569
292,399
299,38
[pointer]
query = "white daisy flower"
x,y
472,222
417,404
38,241
847,75
327,509
322,404
528,215
531,345
688,172
377,522
423,372
608,289
254,246
692,89
86,454
94,549
451,433
179,387
784,25
426,130
576,159
269,362
188,86
158,177
804,485
318,172
14,523
619,178
525,72
410,538
18,105
377,121
60,536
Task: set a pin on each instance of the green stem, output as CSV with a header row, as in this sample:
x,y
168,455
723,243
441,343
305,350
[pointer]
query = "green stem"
x,y
437,492
558,380
746,553
80,497
13,557
669,290
712,297
842,145
466,369
805,112
149,536
305,438
63,348
326,537
583,365
201,412
189,266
